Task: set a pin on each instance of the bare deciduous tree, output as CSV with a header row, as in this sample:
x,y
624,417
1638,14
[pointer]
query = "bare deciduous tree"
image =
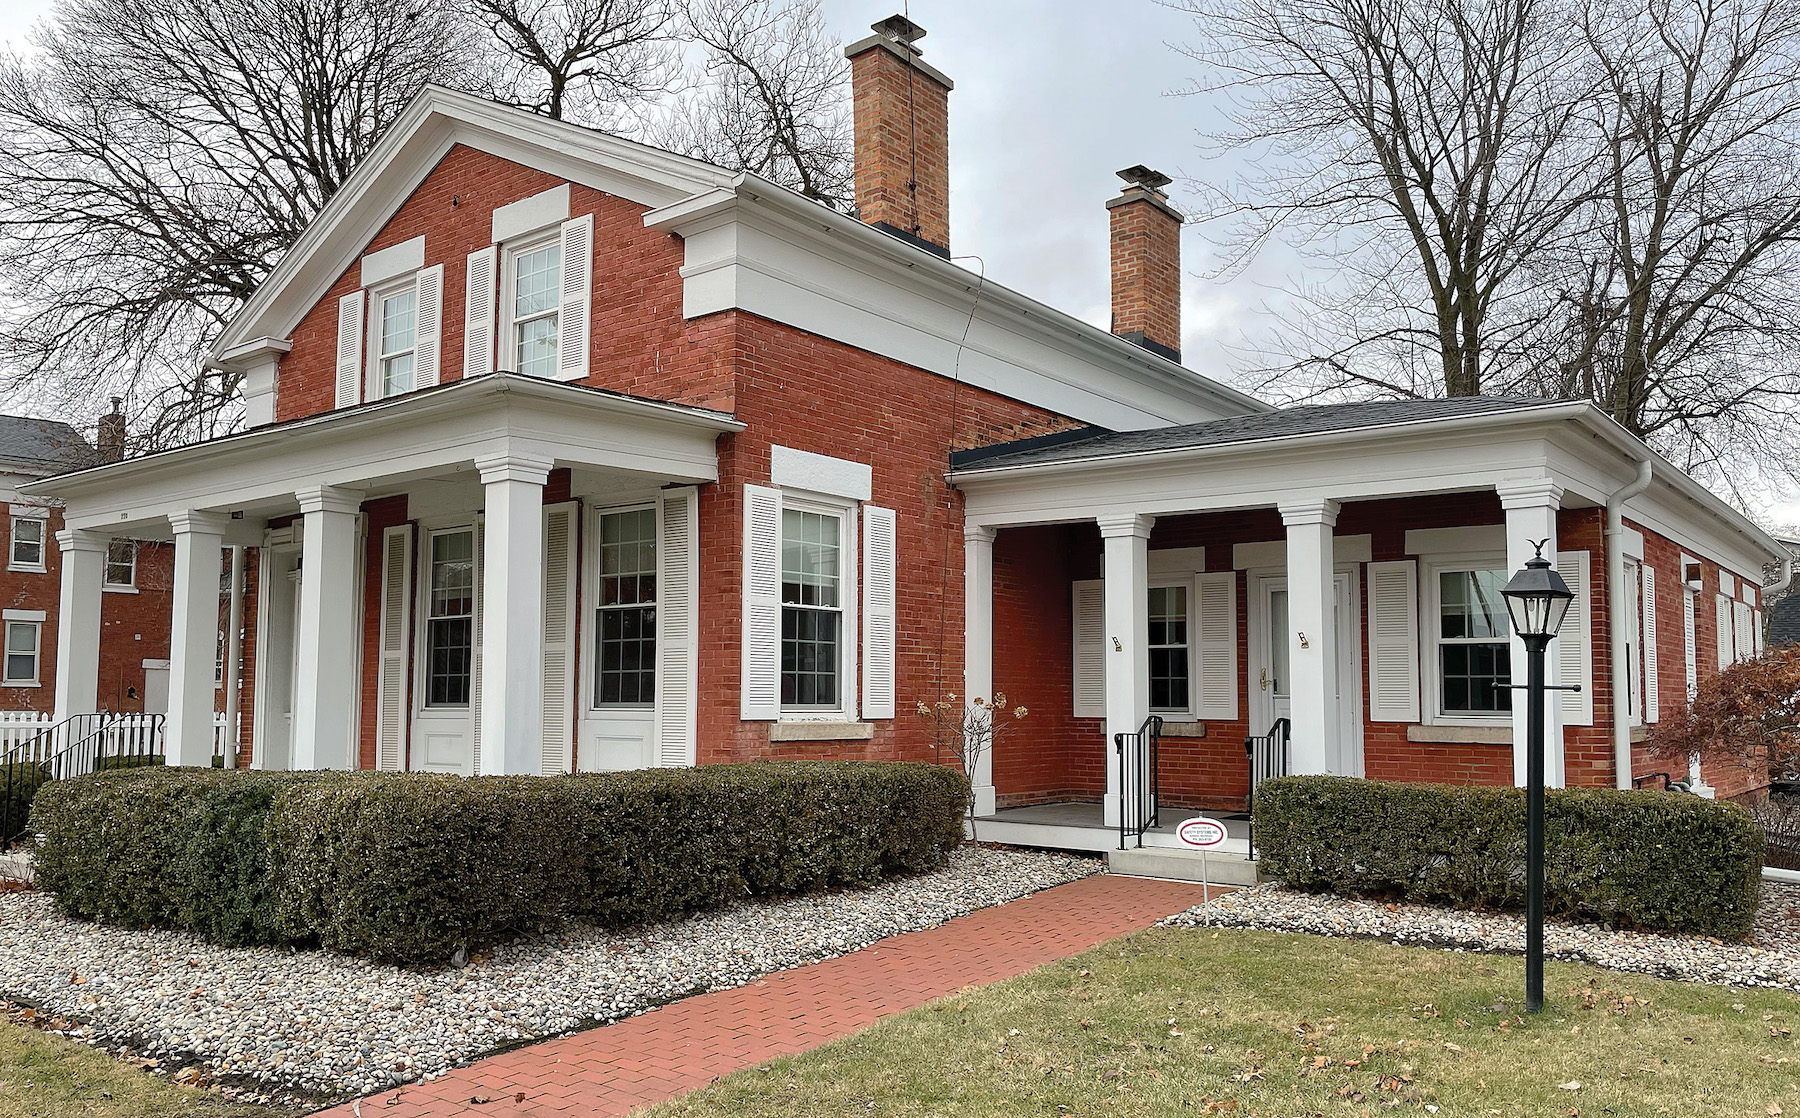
x,y
593,61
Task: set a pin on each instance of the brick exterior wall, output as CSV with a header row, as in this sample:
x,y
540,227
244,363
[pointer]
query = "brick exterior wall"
x,y
902,146
1146,270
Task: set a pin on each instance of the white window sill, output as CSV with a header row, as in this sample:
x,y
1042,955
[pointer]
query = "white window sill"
x,y
1462,735
20,683
38,570
1182,726
821,731
111,589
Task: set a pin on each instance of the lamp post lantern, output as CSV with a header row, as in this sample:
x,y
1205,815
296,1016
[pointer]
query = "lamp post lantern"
x,y
1537,600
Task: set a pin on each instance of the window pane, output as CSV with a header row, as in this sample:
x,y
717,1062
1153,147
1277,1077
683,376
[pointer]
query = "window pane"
x,y
1471,606
1475,677
625,666
27,541
537,347
398,315
1278,643
809,657
534,281
121,563
809,558
450,629
396,374
1168,679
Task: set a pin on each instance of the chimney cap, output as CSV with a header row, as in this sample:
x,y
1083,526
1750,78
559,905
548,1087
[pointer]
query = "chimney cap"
x,y
899,27
1140,175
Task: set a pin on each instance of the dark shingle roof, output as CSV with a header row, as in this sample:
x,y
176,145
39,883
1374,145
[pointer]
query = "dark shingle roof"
x,y
1318,419
46,442
1784,620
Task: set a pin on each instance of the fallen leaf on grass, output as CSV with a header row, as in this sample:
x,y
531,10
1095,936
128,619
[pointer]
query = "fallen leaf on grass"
x,y
1571,1085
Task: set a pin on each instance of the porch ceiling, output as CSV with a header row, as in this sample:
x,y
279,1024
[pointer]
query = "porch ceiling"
x,y
384,447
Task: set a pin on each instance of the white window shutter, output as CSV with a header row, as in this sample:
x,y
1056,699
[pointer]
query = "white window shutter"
x,y
1575,644
428,288
760,697
880,530
1394,641
478,313
350,349
1089,611
1634,677
577,294
1722,631
1216,646
560,525
396,627
1745,643
1756,632
1652,680
677,627
1693,655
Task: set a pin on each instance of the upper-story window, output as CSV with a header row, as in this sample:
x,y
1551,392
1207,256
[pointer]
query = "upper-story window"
x,y
121,564
532,303
395,341
27,551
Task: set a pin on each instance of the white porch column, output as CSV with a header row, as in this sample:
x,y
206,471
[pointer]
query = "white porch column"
x,y
330,640
1312,636
78,626
978,644
1126,538
512,616
1531,505
193,636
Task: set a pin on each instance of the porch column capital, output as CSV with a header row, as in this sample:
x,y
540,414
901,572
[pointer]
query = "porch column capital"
x,y
1119,524
1529,493
193,522
82,539
979,533
528,468
1312,510
328,498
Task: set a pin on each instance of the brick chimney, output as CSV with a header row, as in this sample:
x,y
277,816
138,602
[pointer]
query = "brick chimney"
x,y
109,435
902,135
1146,263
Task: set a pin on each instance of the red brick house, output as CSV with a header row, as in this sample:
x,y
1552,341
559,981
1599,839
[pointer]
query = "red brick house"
x,y
569,453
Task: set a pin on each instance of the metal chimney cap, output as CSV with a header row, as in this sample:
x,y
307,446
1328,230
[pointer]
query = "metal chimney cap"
x,y
1143,176
899,27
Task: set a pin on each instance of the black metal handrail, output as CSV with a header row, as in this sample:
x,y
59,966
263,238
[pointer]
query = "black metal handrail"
x,y
1268,758
76,746
1137,778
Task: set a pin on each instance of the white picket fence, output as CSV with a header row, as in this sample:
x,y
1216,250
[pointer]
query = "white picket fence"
x,y
20,726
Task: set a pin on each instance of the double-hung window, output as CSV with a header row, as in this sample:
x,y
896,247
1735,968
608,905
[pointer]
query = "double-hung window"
x,y
1169,649
532,309
1474,643
625,621
396,339
121,564
27,552
812,609
23,640
450,619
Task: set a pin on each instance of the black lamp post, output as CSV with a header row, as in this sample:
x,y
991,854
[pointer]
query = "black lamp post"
x,y
1537,600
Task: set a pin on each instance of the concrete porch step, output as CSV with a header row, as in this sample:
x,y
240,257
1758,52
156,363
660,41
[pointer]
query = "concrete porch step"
x,y
1183,865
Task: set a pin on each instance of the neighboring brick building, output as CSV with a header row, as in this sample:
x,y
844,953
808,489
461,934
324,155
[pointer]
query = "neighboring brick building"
x,y
568,453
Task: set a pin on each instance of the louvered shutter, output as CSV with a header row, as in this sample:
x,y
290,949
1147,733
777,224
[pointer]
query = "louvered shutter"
x,y
879,591
1652,681
560,525
1089,638
350,349
677,627
1394,641
396,627
1693,655
428,288
478,313
760,699
1634,678
1745,644
577,294
1575,644
1722,630
1216,644
475,668
1756,632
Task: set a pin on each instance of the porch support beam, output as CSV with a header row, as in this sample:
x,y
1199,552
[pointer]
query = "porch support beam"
x,y
512,615
1126,539
329,642
1312,637
978,645
78,630
1531,505
193,636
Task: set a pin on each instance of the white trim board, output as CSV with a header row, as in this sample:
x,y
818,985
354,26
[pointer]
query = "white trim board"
x,y
820,473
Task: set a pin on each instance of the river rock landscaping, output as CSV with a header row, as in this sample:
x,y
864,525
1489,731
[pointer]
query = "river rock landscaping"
x,y
1772,958
335,1026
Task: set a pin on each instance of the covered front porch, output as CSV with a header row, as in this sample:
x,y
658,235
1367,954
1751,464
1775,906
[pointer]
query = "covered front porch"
x,y
427,590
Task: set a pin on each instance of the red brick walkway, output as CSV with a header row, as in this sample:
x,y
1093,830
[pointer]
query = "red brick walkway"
x,y
685,1045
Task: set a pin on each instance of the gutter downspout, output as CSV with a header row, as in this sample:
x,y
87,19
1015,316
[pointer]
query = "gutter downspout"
x,y
1618,618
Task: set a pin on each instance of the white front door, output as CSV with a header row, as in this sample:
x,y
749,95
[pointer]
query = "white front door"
x,y
443,726
1270,695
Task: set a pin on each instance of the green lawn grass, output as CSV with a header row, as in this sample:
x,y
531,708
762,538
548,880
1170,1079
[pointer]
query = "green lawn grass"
x,y
44,1076
1197,1021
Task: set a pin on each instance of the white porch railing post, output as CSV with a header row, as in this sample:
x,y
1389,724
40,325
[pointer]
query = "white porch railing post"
x,y
1126,539
1312,637
978,645
1531,505
512,615
199,542
78,622
329,640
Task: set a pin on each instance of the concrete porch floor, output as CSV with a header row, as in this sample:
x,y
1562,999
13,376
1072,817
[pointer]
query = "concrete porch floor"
x,y
1081,826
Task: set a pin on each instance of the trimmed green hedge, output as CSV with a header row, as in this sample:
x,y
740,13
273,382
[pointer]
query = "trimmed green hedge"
x,y
1648,859
409,867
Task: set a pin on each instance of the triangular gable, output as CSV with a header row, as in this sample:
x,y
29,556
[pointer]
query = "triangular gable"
x,y
436,120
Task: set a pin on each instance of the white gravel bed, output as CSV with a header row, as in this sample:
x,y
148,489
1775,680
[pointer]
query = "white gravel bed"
x,y
326,1024
1773,959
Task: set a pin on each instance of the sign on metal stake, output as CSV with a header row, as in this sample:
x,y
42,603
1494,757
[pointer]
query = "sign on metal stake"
x,y
1204,834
